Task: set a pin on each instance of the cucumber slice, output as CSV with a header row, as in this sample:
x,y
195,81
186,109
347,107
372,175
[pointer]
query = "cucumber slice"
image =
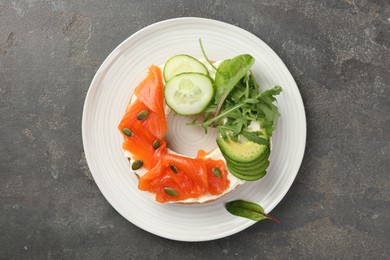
x,y
189,93
183,63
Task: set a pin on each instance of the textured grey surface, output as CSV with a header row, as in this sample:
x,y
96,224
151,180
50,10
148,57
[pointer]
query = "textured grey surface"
x,y
339,54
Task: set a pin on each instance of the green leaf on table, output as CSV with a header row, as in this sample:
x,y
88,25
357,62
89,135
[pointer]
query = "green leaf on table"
x,y
248,210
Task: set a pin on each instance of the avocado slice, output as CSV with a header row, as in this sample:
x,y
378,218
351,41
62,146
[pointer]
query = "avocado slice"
x,y
245,177
256,162
252,170
241,152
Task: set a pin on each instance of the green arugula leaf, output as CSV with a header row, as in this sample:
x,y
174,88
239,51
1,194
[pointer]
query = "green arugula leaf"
x,y
268,109
270,93
239,123
229,73
205,56
254,137
248,210
268,126
252,100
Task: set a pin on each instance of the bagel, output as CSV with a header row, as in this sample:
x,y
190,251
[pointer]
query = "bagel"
x,y
215,154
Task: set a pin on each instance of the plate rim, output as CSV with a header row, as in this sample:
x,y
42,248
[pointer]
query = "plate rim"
x,y
111,57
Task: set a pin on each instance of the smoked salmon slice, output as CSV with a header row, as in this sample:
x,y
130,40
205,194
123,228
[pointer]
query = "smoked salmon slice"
x,y
150,97
186,179
143,150
191,177
195,168
151,128
216,184
150,92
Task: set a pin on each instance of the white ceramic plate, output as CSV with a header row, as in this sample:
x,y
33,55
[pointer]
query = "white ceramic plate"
x,y
111,90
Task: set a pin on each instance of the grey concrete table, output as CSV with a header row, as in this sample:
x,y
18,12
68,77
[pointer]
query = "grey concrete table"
x,y
339,54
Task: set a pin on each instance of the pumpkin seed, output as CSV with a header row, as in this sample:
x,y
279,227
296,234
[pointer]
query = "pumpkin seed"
x,y
171,192
173,168
127,131
137,164
143,114
156,144
216,172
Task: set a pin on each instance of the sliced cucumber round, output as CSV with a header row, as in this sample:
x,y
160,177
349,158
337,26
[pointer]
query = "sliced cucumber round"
x,y
189,93
183,63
